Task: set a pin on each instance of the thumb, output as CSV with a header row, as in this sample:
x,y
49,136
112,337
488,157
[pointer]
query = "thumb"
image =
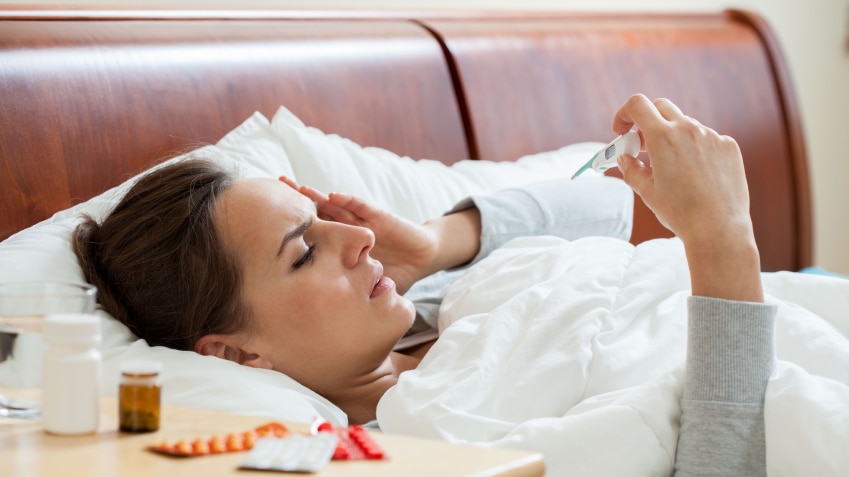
x,y
635,173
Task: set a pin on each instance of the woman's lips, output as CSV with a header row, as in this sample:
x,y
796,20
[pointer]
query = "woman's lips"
x,y
382,285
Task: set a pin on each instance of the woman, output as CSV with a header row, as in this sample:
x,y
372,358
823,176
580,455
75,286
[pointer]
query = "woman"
x,y
272,275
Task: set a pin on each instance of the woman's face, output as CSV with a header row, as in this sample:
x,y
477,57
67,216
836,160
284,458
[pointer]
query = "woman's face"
x,y
320,307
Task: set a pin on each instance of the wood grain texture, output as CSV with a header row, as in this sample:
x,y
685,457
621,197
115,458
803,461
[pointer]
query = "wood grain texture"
x,y
85,103
90,97
537,85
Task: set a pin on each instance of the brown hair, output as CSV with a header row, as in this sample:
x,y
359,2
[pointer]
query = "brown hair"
x,y
157,261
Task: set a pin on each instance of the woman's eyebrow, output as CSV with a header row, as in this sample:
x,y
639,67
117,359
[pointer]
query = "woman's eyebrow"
x,y
298,231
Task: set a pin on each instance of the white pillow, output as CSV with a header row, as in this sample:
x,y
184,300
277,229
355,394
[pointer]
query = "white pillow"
x,y
417,190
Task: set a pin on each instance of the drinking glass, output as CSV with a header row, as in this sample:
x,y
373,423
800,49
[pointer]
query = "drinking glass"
x,y
23,307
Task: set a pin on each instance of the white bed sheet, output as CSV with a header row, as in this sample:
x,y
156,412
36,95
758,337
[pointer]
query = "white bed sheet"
x,y
576,349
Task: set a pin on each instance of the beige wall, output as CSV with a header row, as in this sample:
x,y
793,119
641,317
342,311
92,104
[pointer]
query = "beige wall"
x,y
812,33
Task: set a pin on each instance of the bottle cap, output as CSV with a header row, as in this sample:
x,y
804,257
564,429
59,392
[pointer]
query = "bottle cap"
x,y
140,367
72,329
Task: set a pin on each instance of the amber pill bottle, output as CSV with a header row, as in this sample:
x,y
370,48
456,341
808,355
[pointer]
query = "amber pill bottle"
x,y
139,396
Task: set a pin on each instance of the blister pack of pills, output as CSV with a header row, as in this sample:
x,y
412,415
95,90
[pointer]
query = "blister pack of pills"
x,y
218,444
295,453
354,443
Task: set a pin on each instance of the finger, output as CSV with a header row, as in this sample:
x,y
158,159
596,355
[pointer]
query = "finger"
x,y
636,174
347,209
309,192
330,211
289,182
354,205
668,109
312,194
639,111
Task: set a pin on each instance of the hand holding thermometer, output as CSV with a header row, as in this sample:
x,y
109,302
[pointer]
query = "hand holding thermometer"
x,y
628,143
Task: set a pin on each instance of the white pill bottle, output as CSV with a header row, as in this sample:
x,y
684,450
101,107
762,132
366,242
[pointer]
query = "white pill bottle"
x,y
71,377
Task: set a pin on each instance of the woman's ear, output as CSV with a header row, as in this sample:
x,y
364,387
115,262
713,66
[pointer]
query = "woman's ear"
x,y
224,347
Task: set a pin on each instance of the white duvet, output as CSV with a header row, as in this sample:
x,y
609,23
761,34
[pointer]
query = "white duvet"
x,y
576,349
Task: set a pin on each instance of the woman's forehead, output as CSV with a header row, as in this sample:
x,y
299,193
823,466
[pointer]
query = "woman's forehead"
x,y
254,205
260,193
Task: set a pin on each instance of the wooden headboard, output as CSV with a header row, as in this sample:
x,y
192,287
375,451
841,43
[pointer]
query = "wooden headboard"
x,y
90,97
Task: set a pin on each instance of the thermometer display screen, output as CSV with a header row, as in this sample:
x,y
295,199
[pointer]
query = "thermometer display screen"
x,y
610,151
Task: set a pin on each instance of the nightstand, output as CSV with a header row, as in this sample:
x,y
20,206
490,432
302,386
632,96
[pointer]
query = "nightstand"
x,y
26,450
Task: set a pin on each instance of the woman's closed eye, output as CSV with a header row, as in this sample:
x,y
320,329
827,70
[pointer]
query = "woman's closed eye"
x,y
305,258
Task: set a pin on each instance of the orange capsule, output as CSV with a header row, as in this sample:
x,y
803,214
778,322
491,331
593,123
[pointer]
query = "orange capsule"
x,y
272,428
234,442
249,439
183,447
164,446
217,445
200,447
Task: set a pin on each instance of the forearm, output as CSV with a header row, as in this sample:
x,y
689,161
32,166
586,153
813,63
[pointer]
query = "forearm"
x,y
725,263
459,238
558,207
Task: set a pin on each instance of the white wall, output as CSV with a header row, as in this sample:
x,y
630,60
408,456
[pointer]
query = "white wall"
x,y
814,35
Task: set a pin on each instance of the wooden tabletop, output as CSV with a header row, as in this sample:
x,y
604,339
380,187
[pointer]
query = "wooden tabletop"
x,y
26,450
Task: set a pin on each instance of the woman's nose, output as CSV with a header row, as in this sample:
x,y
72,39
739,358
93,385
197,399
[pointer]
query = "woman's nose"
x,y
358,242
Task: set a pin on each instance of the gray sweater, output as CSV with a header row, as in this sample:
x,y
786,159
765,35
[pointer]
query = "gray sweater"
x,y
730,347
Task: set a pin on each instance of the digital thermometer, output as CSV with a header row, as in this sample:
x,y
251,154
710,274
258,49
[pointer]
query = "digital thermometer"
x,y
628,143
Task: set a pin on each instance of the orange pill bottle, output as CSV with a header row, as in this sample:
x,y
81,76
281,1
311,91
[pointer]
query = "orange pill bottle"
x,y
139,396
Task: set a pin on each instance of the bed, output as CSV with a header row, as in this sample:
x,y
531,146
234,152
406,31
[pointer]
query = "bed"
x,y
415,110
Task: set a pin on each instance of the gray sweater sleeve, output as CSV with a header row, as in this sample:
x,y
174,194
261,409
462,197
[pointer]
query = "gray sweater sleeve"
x,y
560,207
730,356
